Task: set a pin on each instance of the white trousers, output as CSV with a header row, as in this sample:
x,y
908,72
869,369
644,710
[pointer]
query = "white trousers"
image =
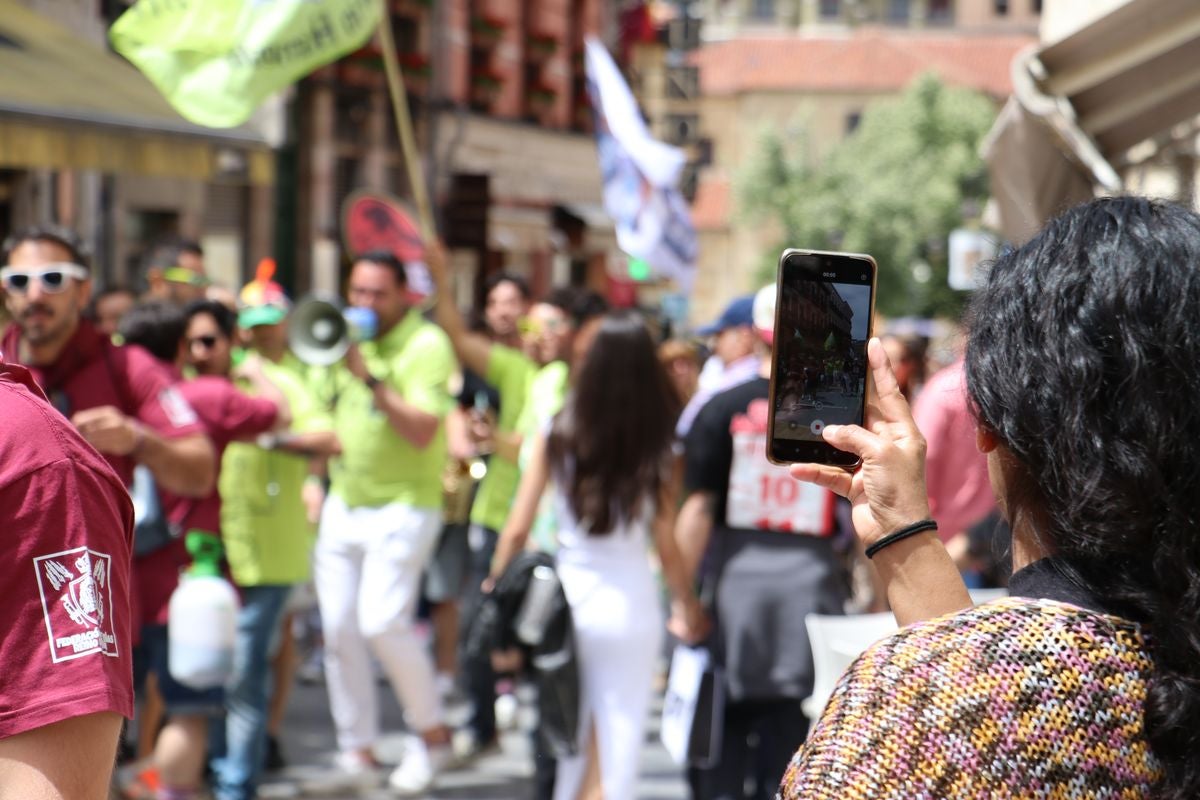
x,y
618,621
367,569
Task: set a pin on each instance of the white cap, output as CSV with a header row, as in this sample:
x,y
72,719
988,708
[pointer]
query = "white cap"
x,y
764,312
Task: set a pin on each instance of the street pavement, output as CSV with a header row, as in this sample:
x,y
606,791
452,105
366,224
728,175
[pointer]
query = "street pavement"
x,y
308,746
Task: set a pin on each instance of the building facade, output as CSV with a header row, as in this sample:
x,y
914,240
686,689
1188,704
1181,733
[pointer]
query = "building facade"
x,y
87,142
497,92
810,76
727,19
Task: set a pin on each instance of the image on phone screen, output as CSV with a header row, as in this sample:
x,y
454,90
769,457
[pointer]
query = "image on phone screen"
x,y
823,323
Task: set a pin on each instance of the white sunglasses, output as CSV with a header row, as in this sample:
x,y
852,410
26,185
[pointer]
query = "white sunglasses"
x,y
53,277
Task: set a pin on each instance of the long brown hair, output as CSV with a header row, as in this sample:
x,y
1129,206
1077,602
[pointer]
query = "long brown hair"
x,y
610,442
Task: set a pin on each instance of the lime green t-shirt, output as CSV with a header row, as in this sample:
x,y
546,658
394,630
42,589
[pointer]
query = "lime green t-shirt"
x,y
511,373
263,521
378,466
547,393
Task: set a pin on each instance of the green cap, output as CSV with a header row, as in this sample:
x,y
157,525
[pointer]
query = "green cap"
x,y
253,316
184,275
206,551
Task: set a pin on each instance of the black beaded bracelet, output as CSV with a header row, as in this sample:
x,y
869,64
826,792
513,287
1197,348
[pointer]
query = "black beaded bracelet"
x,y
903,533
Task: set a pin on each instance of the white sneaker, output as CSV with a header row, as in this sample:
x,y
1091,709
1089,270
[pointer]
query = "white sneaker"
x,y
419,768
466,748
506,711
359,769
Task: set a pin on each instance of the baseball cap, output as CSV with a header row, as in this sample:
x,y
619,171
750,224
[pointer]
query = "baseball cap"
x,y
254,316
764,313
184,275
738,313
262,300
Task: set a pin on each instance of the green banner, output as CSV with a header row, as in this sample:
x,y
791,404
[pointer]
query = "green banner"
x,y
216,60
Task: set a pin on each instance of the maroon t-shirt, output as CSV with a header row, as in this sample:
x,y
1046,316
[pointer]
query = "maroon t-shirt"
x,y
65,579
93,372
227,415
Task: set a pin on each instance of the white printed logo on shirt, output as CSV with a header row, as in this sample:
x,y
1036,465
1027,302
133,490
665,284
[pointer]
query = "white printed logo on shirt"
x,y
177,409
76,591
764,496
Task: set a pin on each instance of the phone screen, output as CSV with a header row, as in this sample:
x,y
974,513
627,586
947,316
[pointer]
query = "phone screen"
x,y
822,324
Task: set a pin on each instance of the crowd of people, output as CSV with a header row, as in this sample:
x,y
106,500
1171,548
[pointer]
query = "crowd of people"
x,y
410,477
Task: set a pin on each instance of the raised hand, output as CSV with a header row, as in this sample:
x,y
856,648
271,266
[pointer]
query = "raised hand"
x,y
888,491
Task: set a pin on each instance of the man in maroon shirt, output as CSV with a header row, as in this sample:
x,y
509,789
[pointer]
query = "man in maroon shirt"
x,y
66,650
119,398
227,415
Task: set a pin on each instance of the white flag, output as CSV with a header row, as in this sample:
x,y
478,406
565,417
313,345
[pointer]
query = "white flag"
x,y
640,177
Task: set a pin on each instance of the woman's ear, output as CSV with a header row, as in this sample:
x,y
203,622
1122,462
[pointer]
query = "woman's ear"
x,y
985,440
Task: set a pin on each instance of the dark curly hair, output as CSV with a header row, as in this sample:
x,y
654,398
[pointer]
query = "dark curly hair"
x,y
610,443
1084,359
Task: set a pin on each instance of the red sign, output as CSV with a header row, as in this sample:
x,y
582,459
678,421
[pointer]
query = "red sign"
x,y
376,221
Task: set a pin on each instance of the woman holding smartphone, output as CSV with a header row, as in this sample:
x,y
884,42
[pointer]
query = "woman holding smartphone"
x,y
608,454
1083,362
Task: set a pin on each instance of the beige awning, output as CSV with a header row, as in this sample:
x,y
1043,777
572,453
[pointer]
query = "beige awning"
x,y
67,103
518,230
528,165
1081,103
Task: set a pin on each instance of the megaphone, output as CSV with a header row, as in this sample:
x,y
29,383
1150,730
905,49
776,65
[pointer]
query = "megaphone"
x,y
321,330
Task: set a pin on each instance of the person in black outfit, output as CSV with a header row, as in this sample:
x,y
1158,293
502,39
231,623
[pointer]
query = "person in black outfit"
x,y
767,562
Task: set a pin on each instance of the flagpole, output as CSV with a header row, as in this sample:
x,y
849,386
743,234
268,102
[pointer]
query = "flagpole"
x,y
408,142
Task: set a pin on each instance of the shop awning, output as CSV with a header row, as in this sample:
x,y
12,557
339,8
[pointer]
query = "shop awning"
x,y
1080,104
68,103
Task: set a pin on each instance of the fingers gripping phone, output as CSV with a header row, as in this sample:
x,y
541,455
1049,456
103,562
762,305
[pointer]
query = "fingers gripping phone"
x,y
824,305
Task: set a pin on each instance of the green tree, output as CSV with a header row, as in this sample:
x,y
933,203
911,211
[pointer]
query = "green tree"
x,y
895,188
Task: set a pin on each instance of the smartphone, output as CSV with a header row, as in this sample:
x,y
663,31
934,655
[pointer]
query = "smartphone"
x,y
824,305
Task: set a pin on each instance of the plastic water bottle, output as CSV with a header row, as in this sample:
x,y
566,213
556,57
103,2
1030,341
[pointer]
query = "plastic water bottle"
x,y
202,618
536,605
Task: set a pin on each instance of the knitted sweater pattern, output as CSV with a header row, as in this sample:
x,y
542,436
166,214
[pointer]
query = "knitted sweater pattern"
x,y
1016,698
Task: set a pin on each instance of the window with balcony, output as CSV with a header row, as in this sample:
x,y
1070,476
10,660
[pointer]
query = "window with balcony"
x,y
352,107
486,81
682,129
581,107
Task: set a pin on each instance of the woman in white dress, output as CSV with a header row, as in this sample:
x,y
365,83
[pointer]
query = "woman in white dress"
x,y
608,454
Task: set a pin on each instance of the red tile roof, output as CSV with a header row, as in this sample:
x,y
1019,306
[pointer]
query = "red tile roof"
x,y
871,61
712,205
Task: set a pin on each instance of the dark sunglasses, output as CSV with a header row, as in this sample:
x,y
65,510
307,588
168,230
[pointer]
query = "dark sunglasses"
x,y
207,342
53,277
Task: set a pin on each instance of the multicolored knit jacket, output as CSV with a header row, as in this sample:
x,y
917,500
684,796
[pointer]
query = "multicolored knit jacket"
x,y
1016,698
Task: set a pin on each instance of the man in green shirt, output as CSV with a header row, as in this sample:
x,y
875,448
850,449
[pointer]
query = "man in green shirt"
x,y
381,521
470,424
268,540
531,383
